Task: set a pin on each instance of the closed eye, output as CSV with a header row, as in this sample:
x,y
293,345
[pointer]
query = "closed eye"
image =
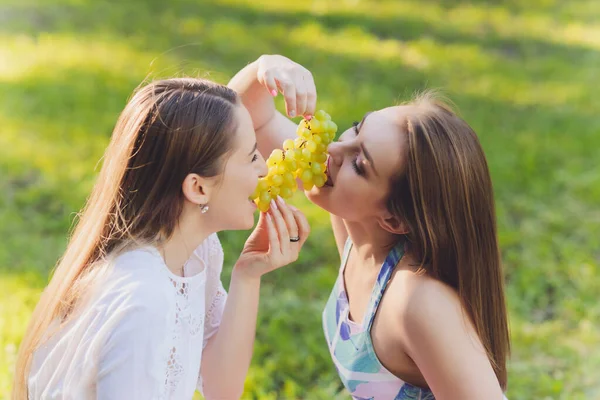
x,y
255,157
359,171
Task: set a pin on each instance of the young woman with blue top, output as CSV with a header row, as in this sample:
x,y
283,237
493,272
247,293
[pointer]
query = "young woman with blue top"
x,y
418,308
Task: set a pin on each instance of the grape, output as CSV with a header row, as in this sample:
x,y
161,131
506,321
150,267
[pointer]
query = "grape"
x,y
265,197
292,165
277,180
288,145
264,207
290,154
302,158
276,155
320,157
321,115
288,179
306,175
286,192
316,126
262,185
318,180
316,168
306,154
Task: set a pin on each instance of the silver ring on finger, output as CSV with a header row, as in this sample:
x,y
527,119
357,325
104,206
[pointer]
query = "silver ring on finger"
x,y
294,239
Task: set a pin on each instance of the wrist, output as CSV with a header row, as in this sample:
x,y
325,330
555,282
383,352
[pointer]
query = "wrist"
x,y
245,275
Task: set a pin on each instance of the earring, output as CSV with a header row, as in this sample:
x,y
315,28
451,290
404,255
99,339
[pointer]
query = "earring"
x,y
203,208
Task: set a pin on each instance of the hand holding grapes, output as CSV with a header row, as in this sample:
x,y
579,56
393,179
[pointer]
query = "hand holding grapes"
x,y
280,74
275,242
302,158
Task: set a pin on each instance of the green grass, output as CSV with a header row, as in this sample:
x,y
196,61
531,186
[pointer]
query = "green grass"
x,y
523,74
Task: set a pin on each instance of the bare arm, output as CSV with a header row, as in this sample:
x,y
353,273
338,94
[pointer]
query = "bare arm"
x,y
446,348
226,357
257,84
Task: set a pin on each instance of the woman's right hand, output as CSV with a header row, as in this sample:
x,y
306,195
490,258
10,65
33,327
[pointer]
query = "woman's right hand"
x,y
280,74
269,246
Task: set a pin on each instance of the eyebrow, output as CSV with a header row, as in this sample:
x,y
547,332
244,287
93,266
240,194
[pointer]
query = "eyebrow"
x,y
254,148
363,148
365,117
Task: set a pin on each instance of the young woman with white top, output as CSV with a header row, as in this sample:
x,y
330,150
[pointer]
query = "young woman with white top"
x,y
135,308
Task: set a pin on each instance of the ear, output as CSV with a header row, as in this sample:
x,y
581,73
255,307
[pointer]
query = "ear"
x,y
393,224
196,189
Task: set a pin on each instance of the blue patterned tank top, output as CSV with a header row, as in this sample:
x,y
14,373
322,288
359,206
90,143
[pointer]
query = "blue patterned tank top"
x,y
350,344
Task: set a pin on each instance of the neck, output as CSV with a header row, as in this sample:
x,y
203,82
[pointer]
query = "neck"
x,y
371,242
186,237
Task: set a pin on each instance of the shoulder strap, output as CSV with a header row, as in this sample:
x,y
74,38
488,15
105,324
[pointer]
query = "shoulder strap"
x,y
392,259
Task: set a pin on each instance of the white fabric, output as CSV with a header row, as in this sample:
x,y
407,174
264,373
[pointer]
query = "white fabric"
x,y
140,332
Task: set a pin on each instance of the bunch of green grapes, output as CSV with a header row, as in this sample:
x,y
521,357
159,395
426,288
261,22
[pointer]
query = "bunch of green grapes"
x,y
302,158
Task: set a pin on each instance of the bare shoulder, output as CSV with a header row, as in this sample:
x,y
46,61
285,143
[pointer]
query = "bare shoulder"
x,y
418,302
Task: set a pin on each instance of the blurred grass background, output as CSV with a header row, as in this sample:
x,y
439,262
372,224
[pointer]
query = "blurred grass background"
x,y
523,73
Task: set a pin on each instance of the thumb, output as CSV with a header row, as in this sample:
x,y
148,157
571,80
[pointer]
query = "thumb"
x,y
262,222
261,226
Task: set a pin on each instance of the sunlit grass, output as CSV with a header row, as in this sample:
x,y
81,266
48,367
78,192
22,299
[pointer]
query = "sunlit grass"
x,y
522,73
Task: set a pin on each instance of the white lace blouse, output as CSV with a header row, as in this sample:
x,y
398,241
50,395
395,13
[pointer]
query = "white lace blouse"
x,y
141,333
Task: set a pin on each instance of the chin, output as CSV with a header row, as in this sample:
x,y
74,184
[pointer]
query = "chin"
x,y
321,198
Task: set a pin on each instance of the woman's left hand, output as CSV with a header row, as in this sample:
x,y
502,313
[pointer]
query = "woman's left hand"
x,y
278,73
271,245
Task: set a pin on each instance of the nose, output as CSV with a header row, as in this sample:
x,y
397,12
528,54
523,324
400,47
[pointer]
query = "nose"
x,y
262,167
336,152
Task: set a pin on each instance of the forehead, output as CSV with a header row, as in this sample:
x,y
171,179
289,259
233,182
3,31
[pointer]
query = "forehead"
x,y
245,136
384,138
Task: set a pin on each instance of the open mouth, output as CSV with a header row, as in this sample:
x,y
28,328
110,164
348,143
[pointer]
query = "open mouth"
x,y
329,182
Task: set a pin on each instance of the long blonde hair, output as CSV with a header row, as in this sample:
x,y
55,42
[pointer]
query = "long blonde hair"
x,y
169,129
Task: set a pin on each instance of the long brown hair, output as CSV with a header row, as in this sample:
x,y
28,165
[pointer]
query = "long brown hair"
x,y
169,129
445,196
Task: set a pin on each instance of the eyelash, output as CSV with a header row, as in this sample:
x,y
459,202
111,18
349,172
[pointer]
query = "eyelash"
x,y
255,158
354,163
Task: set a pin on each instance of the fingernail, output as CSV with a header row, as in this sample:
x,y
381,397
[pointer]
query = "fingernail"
x,y
274,92
280,200
292,113
274,204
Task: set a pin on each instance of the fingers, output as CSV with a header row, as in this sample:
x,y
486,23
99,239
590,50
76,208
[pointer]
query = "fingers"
x,y
300,96
302,224
288,217
311,94
294,81
288,88
271,231
268,80
282,229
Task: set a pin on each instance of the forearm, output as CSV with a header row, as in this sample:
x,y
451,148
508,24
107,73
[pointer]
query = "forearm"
x,y
227,358
271,126
255,97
